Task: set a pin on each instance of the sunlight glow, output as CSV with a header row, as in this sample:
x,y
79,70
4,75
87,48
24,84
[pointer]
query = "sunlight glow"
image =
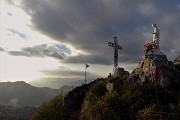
x,y
23,68
15,22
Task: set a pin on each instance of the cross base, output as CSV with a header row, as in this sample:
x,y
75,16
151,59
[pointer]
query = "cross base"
x,y
118,71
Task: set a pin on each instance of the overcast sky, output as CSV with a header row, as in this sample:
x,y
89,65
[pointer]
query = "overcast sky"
x,y
55,38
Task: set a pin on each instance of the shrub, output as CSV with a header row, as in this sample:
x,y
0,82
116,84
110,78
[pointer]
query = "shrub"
x,y
148,113
53,110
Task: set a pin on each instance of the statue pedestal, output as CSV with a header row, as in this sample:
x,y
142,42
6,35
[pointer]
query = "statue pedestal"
x,y
157,51
151,48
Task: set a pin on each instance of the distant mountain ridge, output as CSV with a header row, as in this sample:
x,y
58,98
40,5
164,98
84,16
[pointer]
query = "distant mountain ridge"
x,y
56,83
22,94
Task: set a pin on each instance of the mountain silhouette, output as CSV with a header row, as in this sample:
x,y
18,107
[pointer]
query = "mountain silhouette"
x,y
23,94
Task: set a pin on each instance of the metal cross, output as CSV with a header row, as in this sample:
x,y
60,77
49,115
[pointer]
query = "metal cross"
x,y
116,47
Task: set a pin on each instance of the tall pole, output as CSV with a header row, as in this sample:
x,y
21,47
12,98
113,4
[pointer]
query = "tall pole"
x,y
85,75
115,52
85,71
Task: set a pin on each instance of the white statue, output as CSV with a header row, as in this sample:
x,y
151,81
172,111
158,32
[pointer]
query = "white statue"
x,y
155,35
153,47
155,40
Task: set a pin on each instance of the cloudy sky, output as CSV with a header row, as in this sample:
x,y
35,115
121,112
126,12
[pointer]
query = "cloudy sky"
x,y
55,38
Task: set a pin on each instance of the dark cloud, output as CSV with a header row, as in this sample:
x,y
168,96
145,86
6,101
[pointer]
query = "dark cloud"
x,y
93,59
43,50
90,25
18,53
1,49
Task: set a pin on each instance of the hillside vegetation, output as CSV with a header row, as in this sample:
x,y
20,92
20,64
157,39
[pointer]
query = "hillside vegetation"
x,y
124,102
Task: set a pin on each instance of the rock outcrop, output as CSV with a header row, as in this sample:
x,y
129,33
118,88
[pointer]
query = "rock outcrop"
x,y
177,62
155,68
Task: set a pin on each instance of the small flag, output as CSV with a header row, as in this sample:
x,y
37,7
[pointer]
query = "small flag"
x,y
87,65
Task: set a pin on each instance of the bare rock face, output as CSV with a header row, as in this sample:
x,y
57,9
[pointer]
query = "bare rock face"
x,y
155,69
177,62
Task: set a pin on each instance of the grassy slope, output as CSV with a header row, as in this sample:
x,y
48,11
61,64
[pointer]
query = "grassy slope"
x,y
126,101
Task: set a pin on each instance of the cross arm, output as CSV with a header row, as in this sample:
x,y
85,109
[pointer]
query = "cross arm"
x,y
114,45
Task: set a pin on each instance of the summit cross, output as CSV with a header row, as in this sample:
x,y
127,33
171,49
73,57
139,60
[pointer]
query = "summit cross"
x,y
116,47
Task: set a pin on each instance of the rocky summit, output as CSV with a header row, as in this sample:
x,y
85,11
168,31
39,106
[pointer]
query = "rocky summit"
x,y
155,68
